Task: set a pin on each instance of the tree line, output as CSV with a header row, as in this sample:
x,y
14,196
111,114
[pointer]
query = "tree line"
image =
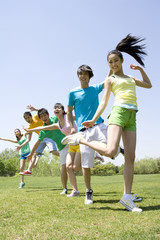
x,y
49,165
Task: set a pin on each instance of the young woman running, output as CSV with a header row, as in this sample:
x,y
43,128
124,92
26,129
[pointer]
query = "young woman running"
x,y
122,120
23,141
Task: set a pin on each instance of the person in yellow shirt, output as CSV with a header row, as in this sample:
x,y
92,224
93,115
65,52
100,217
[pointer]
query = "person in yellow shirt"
x,y
122,120
35,121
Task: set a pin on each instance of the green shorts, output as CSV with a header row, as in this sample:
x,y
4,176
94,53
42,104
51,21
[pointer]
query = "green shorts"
x,y
123,117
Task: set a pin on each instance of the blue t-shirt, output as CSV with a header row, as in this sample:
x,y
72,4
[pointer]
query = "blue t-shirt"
x,y
85,102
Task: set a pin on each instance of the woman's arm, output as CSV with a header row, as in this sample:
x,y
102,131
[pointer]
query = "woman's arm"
x,y
49,127
103,103
8,140
23,144
146,83
71,118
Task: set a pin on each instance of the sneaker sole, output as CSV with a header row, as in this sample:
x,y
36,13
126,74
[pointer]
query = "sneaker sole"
x,y
65,140
73,196
88,202
137,199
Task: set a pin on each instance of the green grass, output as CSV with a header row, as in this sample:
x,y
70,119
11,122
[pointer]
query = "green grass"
x,y
39,212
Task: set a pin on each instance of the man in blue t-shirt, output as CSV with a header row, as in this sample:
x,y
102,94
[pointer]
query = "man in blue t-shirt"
x,y
84,101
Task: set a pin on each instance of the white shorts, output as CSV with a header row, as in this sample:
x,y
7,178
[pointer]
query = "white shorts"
x,y
63,154
47,142
96,133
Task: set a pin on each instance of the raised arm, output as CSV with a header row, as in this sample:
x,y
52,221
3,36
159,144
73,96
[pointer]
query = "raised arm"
x,y
31,108
103,103
71,118
145,83
49,127
8,140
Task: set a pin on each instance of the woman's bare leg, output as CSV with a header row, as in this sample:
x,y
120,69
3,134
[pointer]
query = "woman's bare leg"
x,y
69,165
64,176
113,138
22,165
129,141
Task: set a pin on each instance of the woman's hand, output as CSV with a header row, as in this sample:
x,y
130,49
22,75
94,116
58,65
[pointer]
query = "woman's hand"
x,y
134,67
25,128
17,148
73,130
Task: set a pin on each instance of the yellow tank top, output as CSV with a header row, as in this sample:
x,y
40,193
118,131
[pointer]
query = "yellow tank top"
x,y
124,90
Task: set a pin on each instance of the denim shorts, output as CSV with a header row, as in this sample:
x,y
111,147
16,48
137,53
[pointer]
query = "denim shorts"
x,y
123,117
47,142
24,156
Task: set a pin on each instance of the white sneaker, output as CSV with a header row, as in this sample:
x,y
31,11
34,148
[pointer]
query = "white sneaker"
x,y
98,156
135,198
74,194
129,204
89,197
72,139
22,184
64,191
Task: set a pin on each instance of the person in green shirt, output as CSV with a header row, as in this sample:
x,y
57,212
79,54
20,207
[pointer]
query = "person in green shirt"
x,y
33,122
23,147
56,136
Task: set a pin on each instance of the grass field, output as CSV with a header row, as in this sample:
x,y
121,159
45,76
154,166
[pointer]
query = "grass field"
x,y
38,211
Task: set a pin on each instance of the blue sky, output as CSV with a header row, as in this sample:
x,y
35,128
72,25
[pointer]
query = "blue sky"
x,y
43,43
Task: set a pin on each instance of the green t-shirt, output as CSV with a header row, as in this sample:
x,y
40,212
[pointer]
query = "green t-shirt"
x,y
55,135
25,149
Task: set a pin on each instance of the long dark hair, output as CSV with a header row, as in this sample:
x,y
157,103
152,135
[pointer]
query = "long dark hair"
x,y
59,105
18,138
129,45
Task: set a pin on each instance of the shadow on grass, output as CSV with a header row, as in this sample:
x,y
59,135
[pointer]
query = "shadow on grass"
x,y
149,208
106,201
106,193
36,189
108,208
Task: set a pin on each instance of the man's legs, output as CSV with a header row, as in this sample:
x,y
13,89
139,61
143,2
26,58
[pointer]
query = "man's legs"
x,y
87,177
34,161
87,159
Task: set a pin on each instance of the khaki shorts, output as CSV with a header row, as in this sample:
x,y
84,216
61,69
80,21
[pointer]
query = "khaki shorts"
x,y
96,133
123,117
